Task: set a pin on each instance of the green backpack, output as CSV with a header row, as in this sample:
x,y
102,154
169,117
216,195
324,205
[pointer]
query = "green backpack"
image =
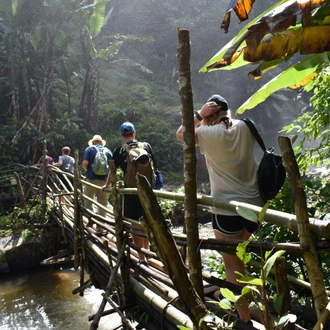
x,y
100,165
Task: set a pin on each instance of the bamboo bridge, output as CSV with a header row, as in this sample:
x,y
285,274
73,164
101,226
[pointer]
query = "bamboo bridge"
x,y
163,289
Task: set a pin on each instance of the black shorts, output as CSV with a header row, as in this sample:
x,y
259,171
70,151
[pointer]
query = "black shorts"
x,y
231,225
132,207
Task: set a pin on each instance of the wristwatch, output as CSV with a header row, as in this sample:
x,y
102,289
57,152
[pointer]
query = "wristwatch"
x,y
199,116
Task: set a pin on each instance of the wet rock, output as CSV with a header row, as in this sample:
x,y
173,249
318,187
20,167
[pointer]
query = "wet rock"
x,y
17,253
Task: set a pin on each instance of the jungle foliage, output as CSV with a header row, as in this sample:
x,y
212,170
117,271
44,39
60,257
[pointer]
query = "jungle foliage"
x,y
275,36
63,81
74,69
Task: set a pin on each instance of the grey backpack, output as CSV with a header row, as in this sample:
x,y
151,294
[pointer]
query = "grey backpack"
x,y
100,165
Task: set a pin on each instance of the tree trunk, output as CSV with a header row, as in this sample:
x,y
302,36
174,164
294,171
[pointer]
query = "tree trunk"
x,y
305,234
190,186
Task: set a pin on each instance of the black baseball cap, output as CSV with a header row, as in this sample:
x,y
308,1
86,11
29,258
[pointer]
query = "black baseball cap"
x,y
219,100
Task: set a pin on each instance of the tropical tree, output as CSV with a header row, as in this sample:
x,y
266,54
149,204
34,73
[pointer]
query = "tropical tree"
x,y
275,37
41,41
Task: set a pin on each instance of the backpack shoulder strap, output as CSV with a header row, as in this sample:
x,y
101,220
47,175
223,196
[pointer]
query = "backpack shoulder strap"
x,y
255,133
96,151
126,147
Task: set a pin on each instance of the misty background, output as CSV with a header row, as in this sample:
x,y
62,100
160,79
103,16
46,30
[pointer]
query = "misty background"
x,y
160,20
133,76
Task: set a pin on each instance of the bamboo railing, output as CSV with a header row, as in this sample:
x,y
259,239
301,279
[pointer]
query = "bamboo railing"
x,y
153,289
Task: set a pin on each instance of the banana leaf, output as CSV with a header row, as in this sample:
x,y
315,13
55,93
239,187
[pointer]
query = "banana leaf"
x,y
97,19
242,9
235,43
294,77
275,34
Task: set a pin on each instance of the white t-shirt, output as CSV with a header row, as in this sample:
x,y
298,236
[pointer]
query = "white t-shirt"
x,y
231,163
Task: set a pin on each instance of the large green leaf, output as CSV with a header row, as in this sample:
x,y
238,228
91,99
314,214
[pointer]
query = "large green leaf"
x,y
228,294
270,262
276,34
225,304
236,42
97,19
283,320
247,214
294,77
250,280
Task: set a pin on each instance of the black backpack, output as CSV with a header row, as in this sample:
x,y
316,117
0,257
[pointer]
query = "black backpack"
x,y
271,171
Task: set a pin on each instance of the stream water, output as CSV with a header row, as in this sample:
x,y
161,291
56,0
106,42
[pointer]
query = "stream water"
x,y
43,299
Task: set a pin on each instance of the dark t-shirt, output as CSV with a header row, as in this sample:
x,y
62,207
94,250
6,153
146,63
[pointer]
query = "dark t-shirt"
x,y
120,155
132,205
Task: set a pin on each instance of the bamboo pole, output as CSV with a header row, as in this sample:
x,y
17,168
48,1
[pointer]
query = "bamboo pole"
x,y
282,286
127,324
44,179
319,227
190,185
76,213
305,234
323,320
162,241
95,323
120,237
20,191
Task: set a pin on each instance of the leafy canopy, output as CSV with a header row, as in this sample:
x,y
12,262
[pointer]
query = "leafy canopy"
x,y
274,37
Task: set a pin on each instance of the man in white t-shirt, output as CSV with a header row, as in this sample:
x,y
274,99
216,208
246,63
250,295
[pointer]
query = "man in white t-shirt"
x,y
228,146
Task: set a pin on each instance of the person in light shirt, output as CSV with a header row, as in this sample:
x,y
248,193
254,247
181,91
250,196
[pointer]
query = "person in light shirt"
x,y
228,147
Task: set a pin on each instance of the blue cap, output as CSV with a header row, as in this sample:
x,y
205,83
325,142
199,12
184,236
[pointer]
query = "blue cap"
x,y
219,100
127,128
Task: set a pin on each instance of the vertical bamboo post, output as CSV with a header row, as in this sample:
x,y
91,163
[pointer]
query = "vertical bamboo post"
x,y
282,286
44,178
120,237
20,191
190,186
304,229
76,211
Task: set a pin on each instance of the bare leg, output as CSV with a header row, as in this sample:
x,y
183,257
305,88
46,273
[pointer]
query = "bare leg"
x,y
234,264
89,192
102,198
141,242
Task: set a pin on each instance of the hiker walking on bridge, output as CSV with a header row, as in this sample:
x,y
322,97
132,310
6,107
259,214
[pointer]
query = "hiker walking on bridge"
x,y
228,146
66,164
132,205
96,163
